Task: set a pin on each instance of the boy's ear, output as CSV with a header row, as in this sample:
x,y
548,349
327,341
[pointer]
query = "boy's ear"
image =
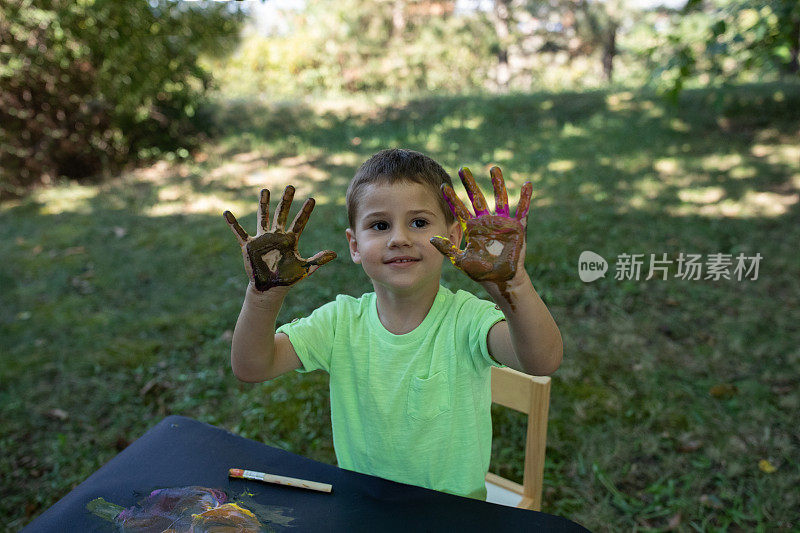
x,y
353,244
455,235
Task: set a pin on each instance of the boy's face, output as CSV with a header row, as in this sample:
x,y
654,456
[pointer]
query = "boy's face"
x,y
391,236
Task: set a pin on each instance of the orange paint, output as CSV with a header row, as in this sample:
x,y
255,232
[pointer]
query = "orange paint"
x,y
189,509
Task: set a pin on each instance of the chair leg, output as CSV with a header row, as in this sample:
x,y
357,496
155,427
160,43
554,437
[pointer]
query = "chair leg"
x,y
528,503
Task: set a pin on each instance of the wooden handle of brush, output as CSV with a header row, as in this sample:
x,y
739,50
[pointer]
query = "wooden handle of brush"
x,y
280,480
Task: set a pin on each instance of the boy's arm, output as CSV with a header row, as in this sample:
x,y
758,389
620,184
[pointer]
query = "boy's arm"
x,y
273,265
528,340
257,353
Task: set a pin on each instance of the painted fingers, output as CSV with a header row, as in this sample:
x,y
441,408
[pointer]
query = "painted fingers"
x,y
474,192
319,259
500,192
279,224
524,203
478,200
271,257
457,207
281,215
236,228
302,217
447,248
263,211
494,242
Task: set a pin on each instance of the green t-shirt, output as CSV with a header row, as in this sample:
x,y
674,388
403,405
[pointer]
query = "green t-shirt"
x,y
413,408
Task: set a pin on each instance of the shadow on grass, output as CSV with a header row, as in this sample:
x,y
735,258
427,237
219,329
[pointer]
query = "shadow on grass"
x,y
122,296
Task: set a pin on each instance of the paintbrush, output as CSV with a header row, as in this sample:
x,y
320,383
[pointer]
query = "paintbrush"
x,y
279,480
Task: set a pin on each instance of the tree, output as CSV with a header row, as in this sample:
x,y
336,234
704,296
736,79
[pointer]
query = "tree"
x,y
85,86
356,46
725,41
501,19
598,24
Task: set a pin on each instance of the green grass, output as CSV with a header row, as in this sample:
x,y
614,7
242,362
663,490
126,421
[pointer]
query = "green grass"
x,y
118,299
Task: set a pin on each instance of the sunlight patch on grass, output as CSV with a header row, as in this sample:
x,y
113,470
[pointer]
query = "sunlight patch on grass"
x,y
702,195
668,166
788,154
651,109
743,172
69,198
593,190
459,122
562,165
619,101
301,166
721,162
679,125
650,187
198,203
769,204
345,159
752,205
246,172
347,106
502,154
642,193
156,173
571,130
248,157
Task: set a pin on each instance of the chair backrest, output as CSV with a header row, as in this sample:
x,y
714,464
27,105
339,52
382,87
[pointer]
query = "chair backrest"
x,y
529,395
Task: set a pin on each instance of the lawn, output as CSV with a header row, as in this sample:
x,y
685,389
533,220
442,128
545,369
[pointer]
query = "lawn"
x,y
676,404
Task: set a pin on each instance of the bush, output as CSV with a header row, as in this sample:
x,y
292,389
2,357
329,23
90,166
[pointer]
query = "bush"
x,y
86,86
358,47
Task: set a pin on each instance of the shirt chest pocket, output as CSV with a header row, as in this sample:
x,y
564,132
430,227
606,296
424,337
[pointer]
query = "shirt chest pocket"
x,y
428,397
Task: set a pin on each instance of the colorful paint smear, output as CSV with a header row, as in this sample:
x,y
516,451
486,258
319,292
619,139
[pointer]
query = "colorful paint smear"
x,y
494,243
191,510
271,258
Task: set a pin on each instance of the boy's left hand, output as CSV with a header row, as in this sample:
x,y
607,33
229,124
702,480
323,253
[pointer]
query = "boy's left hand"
x,y
494,243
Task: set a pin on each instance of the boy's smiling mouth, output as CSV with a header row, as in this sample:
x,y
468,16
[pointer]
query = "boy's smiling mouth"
x,y
400,260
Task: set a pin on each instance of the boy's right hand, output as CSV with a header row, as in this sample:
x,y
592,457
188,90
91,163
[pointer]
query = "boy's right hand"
x,y
271,258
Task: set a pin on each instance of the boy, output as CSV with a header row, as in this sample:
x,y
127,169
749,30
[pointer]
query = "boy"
x,y
409,364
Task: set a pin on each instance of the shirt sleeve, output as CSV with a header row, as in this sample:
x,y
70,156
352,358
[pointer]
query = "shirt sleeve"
x,y
479,316
312,337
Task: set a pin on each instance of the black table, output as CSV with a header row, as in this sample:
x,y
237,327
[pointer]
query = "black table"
x,y
180,452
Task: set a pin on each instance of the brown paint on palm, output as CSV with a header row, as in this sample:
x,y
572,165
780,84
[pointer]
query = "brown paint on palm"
x,y
271,258
494,242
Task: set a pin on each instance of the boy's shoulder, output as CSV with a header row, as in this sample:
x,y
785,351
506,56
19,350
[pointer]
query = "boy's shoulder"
x,y
353,304
454,301
460,297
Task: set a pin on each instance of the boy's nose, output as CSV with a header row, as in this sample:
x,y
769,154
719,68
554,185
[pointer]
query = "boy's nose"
x,y
398,237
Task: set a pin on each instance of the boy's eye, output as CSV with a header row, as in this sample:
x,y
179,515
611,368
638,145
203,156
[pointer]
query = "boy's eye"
x,y
419,223
380,226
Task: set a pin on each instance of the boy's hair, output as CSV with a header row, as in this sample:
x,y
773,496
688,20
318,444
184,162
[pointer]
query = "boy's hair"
x,y
396,165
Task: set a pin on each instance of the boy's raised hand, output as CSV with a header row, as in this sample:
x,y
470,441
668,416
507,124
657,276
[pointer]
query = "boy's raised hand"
x,y
494,243
271,258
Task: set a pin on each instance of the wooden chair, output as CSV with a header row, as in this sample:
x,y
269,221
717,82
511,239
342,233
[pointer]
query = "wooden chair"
x,y
529,395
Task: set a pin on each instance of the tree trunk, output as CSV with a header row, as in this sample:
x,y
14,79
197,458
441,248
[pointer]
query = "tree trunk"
x,y
398,18
794,49
502,14
609,52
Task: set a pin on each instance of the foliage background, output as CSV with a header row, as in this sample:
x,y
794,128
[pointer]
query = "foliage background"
x,y
87,86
